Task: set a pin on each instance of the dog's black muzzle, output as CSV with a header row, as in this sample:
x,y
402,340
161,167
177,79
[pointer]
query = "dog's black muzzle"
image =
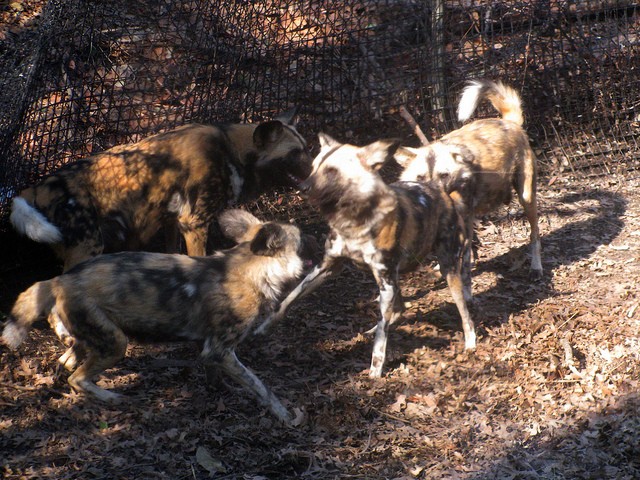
x,y
310,251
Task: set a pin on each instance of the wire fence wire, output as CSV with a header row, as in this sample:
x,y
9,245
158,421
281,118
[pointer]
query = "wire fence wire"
x,y
97,74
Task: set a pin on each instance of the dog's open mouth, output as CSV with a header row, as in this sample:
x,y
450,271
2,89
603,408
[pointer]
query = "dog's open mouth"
x,y
294,180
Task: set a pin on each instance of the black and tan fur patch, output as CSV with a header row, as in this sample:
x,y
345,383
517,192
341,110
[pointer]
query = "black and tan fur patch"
x,y
97,305
387,228
118,199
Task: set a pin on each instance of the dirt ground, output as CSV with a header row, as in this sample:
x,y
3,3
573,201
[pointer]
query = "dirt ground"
x,y
550,392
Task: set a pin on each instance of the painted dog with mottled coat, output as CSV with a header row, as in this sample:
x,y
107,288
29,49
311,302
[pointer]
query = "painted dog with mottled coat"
x,y
481,162
181,179
215,301
387,228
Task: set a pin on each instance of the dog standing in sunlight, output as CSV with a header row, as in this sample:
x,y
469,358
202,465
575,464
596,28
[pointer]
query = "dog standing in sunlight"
x,y
480,163
387,228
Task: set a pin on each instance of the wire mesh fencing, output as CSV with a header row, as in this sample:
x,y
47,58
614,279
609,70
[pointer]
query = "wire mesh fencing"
x,y
97,74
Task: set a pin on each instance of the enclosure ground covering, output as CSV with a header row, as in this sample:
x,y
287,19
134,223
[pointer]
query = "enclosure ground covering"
x,y
550,392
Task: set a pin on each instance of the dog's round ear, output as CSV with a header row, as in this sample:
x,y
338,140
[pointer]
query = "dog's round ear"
x,y
267,133
405,155
376,154
327,141
461,154
290,117
269,240
235,224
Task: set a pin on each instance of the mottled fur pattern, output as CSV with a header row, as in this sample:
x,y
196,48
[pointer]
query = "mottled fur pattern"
x,y
118,199
483,161
387,228
97,305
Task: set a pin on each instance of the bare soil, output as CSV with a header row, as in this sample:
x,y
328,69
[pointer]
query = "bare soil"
x,y
550,392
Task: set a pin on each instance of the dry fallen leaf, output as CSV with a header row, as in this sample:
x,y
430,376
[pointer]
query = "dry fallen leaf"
x,y
210,464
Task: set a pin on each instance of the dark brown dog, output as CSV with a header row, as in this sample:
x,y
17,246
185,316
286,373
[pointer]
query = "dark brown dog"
x,y
388,228
483,161
117,200
213,300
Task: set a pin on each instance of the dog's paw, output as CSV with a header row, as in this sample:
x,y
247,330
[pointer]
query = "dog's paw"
x,y
470,342
109,397
375,372
92,389
69,360
298,417
535,275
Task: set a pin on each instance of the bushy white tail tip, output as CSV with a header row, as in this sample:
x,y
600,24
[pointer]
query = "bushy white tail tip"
x,y
30,222
13,335
469,100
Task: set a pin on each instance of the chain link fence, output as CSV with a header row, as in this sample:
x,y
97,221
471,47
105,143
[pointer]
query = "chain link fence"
x,y
86,75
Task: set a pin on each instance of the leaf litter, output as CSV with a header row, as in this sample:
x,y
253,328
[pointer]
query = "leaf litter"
x,y
550,392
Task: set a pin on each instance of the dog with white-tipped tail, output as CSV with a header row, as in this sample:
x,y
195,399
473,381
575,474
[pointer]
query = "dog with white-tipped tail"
x,y
481,163
213,301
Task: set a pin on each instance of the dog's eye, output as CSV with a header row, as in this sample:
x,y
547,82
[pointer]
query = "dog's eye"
x,y
444,176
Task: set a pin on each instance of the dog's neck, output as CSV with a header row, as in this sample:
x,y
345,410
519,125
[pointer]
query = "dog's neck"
x,y
244,182
241,136
266,276
352,212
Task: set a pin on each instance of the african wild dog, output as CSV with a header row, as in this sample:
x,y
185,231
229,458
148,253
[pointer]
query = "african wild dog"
x,y
388,228
213,300
483,160
118,199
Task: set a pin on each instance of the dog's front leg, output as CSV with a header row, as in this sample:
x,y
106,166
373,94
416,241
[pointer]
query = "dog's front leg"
x,y
195,240
390,310
171,236
245,377
330,266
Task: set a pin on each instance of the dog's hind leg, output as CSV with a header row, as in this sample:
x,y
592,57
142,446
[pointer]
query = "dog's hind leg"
x,y
236,370
390,309
106,344
81,379
526,189
330,266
